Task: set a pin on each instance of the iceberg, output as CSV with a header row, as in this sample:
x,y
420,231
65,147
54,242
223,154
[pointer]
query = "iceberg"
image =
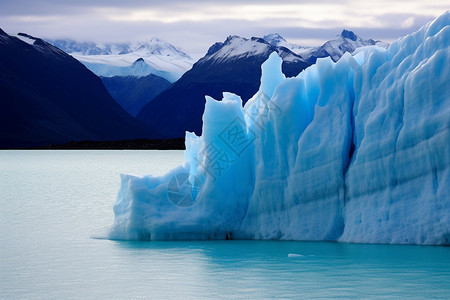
x,y
353,151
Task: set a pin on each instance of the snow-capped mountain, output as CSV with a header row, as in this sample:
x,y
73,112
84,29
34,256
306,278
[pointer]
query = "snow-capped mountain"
x,y
233,65
277,40
153,47
347,41
236,47
138,68
117,59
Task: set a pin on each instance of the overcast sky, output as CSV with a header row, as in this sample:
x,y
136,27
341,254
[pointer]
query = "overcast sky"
x,y
196,25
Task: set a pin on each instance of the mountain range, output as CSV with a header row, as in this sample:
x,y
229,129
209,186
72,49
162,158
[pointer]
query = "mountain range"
x,y
133,73
48,97
125,70
233,66
347,41
117,59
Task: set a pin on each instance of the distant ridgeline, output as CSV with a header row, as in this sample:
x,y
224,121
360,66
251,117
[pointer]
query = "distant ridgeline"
x,y
50,100
133,73
233,66
48,97
352,151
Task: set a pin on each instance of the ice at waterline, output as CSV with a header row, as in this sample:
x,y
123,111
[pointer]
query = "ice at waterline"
x,y
353,151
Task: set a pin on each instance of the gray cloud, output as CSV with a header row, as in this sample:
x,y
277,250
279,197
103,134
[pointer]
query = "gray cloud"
x,y
115,21
58,6
392,29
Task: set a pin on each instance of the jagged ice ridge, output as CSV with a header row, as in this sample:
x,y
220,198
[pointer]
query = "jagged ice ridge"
x,y
352,151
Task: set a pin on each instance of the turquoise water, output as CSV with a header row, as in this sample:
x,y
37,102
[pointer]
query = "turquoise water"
x,y
52,204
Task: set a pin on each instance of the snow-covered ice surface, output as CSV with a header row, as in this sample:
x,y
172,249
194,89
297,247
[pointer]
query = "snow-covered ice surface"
x,y
353,151
277,40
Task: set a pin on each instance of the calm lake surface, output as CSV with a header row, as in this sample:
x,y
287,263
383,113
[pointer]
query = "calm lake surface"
x,y
53,204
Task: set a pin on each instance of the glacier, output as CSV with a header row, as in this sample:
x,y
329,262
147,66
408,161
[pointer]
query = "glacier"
x,y
129,59
353,151
104,66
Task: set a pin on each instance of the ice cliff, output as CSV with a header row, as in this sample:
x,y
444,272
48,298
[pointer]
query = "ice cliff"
x,y
352,151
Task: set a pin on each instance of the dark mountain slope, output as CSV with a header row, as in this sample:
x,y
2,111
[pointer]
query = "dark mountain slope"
x,y
132,92
48,97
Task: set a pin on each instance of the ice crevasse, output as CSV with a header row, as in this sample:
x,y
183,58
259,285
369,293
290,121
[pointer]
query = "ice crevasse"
x,y
352,151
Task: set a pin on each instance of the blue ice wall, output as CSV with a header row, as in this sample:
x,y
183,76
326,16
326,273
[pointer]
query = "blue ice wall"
x,y
353,151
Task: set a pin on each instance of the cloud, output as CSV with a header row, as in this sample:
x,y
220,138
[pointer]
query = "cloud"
x,y
195,25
